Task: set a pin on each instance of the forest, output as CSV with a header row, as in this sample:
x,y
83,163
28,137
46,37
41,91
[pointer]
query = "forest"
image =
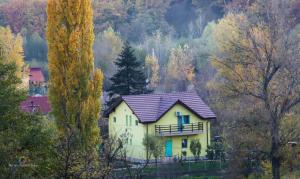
x,y
241,56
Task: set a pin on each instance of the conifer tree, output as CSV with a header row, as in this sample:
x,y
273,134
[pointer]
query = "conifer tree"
x,y
74,86
130,78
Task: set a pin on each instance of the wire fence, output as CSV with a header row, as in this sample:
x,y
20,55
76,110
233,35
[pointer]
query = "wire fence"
x,y
207,168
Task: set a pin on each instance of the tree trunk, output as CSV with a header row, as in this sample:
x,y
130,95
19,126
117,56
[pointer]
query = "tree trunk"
x,y
275,158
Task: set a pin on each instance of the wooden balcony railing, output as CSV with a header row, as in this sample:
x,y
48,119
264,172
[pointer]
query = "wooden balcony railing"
x,y
175,129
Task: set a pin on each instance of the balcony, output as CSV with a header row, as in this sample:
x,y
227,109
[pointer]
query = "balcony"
x,y
178,130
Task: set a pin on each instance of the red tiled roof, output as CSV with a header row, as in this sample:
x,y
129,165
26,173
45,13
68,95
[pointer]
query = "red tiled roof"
x,y
36,103
151,107
36,74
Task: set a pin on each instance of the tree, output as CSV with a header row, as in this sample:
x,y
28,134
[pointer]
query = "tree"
x,y
26,140
29,15
12,49
260,61
180,69
75,86
108,45
111,150
130,78
154,146
35,47
151,63
195,148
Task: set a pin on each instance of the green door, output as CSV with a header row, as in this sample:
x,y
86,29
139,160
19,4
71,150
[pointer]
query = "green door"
x,y
168,148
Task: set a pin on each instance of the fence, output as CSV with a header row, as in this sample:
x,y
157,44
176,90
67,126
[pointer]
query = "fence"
x,y
208,168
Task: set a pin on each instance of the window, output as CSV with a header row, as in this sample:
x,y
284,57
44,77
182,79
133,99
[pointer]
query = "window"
x,y
130,119
115,119
130,141
184,143
136,122
185,119
126,120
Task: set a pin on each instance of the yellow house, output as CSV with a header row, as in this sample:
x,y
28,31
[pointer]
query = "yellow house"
x,y
176,118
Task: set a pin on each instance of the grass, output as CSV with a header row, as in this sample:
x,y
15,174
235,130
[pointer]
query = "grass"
x,y
186,168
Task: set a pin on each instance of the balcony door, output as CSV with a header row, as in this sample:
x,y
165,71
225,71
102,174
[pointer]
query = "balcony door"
x,y
182,120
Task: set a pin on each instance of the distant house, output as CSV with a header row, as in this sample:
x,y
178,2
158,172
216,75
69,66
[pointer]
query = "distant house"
x,y
37,83
36,104
178,118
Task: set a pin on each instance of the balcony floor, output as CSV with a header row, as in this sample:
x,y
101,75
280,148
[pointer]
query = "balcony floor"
x,y
179,133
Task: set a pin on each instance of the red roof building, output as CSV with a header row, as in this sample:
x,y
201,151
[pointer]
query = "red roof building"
x,y
36,104
36,75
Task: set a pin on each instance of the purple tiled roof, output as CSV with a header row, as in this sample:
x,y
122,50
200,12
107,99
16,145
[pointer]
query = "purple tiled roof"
x,y
151,107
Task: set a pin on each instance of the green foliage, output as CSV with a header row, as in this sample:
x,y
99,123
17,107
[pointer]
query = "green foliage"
x,y
154,146
195,148
35,47
26,141
216,151
129,79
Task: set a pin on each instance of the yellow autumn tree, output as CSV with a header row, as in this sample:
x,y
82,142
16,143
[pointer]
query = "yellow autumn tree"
x,y
12,49
180,68
152,66
75,86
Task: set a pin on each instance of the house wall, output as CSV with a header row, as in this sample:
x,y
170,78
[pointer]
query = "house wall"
x,y
170,118
135,133
135,148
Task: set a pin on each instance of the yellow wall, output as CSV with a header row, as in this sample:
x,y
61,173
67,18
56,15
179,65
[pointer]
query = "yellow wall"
x,y
170,118
135,148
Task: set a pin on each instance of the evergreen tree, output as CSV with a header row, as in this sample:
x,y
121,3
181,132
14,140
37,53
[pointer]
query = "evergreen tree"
x,y
130,78
75,87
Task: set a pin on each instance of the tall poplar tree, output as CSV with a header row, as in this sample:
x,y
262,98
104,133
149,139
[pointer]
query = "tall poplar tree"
x,y
75,86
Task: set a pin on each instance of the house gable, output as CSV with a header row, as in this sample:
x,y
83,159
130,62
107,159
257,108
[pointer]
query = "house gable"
x,y
170,118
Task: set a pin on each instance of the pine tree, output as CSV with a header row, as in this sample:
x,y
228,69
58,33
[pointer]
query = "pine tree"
x,y
129,79
74,86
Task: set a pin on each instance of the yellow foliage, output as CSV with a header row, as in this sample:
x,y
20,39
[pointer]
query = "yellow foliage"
x,y
74,86
180,65
153,70
12,49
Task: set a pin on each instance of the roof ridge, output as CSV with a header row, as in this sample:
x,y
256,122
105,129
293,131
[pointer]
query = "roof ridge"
x,y
35,68
159,94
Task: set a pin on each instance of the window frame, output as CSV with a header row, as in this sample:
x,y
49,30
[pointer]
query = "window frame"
x,y
184,117
186,143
